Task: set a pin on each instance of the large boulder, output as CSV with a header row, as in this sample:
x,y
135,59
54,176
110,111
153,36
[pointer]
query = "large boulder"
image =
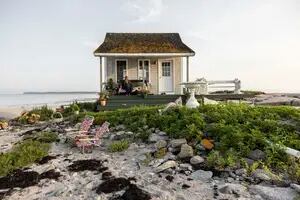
x,y
186,151
176,143
202,175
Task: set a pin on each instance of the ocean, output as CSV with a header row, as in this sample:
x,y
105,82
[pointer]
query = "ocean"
x,y
38,99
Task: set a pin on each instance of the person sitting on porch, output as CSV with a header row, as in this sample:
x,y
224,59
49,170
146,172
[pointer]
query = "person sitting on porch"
x,y
125,86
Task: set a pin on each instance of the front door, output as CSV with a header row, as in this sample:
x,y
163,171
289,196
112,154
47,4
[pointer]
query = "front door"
x,y
121,69
166,77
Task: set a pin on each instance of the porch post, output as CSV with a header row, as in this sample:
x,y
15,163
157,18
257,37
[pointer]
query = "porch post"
x,y
143,75
187,69
100,74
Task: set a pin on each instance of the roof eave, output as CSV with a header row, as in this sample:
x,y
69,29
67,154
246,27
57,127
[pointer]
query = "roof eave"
x,y
143,54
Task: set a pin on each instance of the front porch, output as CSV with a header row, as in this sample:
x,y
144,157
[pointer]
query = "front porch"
x,y
118,102
162,75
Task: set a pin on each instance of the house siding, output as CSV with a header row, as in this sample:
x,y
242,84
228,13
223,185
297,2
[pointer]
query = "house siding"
x,y
132,71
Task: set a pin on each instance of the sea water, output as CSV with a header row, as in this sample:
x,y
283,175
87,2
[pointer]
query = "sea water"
x,y
7,100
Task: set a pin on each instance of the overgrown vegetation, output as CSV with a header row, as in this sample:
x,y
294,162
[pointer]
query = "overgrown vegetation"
x,y
236,129
26,152
44,112
118,146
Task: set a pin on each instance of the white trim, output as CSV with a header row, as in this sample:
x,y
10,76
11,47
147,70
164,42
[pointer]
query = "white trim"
x,y
116,72
144,54
138,68
172,60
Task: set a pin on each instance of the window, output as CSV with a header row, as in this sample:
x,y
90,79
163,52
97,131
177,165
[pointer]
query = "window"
x,y
146,65
166,69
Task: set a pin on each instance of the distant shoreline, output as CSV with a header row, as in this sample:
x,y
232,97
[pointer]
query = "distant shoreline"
x,y
74,92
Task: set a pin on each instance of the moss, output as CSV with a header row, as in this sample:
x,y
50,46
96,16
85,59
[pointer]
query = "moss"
x,y
160,153
118,146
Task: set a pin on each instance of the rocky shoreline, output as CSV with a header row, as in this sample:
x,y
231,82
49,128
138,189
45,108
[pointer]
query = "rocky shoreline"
x,y
162,168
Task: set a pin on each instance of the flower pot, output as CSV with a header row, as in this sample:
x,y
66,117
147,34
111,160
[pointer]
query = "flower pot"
x,y
103,102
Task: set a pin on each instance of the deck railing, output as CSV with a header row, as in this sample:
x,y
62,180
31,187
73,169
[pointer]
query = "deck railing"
x,y
205,86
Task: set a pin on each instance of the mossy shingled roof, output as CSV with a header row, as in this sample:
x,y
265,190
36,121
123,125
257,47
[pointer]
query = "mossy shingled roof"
x,y
143,43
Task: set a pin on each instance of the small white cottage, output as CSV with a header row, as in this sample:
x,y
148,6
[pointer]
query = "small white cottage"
x,y
156,58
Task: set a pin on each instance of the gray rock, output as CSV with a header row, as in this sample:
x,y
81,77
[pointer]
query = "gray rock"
x,y
176,143
274,193
120,127
146,127
153,137
257,155
185,166
261,175
249,161
77,126
295,187
62,138
47,129
166,165
202,175
295,102
231,188
156,163
196,160
160,144
186,151
162,133
240,172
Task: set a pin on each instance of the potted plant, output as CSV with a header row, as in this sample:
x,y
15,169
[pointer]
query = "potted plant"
x,y
103,96
144,92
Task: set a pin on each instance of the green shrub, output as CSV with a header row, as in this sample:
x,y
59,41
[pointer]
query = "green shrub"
x,y
236,129
118,146
216,160
46,137
22,155
88,106
44,112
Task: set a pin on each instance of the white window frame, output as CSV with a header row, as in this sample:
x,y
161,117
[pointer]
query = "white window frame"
x,y
116,72
138,68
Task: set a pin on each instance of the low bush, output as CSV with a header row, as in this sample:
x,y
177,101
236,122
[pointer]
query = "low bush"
x,y
118,146
22,155
88,106
44,112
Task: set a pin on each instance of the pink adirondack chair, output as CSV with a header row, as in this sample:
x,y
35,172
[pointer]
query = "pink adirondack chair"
x,y
86,125
90,141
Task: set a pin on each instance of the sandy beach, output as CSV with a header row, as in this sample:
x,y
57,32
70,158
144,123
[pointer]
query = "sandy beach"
x,y
11,112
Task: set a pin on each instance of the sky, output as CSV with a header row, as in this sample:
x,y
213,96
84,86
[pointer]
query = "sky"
x,y
48,45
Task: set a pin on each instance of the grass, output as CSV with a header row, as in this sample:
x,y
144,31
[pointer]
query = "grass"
x,y
27,152
118,146
44,112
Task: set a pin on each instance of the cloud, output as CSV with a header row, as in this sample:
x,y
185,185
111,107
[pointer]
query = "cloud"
x,y
142,11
